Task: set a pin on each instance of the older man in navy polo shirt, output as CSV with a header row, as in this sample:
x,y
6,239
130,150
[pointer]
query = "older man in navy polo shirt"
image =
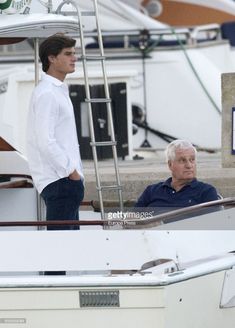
x,y
182,189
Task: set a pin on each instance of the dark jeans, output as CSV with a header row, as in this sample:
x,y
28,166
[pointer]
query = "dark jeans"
x,y
62,199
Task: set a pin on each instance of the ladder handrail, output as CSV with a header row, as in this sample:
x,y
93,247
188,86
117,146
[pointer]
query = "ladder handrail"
x,y
109,109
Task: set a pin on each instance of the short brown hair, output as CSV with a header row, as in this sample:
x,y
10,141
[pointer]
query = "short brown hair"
x,y
53,45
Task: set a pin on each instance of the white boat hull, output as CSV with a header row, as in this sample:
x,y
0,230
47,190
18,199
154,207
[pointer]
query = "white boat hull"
x,y
191,303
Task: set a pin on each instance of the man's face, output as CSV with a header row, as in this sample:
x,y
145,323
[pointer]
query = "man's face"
x,y
64,62
183,167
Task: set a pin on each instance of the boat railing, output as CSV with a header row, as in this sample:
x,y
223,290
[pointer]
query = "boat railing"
x,y
145,218
206,32
158,37
129,221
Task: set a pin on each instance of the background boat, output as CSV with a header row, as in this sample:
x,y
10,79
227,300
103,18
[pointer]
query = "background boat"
x,y
187,12
172,79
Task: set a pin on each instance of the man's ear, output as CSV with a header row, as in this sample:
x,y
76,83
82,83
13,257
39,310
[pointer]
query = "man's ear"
x,y
51,58
169,164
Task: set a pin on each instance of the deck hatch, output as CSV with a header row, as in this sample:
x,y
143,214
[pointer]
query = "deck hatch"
x,y
98,298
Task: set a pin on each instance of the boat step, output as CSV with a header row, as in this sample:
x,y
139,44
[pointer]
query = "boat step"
x,y
90,57
103,143
98,100
110,187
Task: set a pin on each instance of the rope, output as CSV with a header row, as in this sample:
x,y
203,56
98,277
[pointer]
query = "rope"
x,y
195,72
150,48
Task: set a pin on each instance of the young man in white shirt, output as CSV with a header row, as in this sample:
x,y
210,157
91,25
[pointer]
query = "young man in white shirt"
x,y
53,149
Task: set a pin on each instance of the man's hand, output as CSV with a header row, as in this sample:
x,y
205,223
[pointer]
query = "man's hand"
x,y
74,176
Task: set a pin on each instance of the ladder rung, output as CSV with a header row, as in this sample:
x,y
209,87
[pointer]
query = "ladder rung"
x,y
114,187
90,57
103,143
98,100
88,13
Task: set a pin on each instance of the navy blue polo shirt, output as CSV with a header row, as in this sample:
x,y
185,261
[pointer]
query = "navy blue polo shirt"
x,y
162,195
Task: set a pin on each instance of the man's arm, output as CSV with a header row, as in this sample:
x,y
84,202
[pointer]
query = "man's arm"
x,y
209,194
144,199
46,112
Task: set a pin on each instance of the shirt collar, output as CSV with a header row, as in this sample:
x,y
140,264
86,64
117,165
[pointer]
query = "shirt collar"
x,y
52,79
192,184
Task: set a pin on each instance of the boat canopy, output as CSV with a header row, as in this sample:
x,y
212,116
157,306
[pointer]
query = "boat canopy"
x,y
36,25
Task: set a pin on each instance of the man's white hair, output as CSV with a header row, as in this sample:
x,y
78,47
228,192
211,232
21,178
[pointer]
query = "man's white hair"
x,y
177,144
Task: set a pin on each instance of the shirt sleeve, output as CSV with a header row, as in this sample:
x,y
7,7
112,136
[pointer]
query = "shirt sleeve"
x,y
209,194
46,112
144,199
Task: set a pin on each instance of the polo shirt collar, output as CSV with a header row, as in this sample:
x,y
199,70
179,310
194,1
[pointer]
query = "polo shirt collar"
x,y
192,184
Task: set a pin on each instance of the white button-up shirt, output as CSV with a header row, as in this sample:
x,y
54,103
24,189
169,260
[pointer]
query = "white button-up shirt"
x,y
52,144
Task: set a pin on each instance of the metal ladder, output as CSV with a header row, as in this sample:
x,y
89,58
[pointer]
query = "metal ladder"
x,y
90,101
